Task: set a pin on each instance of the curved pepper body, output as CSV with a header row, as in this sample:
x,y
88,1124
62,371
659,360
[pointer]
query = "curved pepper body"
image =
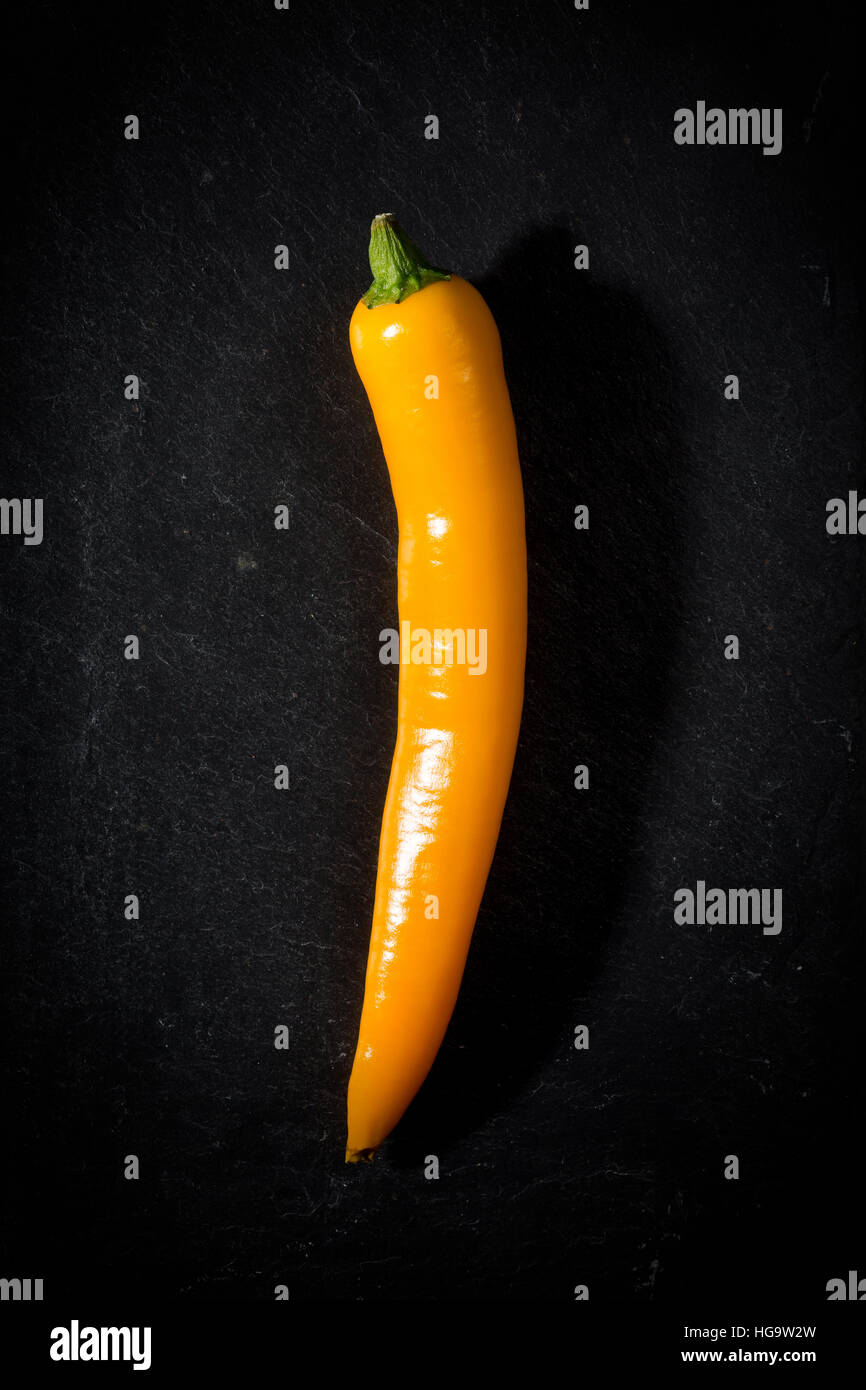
x,y
432,368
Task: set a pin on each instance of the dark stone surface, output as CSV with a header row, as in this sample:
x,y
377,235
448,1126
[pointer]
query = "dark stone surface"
x,y
155,777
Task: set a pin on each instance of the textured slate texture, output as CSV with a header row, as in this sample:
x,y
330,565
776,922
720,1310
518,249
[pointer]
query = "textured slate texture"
x,y
259,647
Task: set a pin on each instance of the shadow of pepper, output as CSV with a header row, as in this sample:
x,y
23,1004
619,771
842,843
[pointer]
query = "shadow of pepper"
x,y
592,385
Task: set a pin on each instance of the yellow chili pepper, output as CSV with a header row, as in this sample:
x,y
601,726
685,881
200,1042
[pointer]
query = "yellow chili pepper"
x,y
428,353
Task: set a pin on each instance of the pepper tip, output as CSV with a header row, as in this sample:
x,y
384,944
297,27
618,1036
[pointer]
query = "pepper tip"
x,y
359,1155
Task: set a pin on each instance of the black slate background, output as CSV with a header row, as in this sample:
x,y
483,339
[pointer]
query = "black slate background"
x,y
260,647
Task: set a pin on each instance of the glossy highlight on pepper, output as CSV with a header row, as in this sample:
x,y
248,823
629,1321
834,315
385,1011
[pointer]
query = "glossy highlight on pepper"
x,y
428,353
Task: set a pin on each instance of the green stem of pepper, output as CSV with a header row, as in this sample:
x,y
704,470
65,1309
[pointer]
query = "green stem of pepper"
x,y
399,268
